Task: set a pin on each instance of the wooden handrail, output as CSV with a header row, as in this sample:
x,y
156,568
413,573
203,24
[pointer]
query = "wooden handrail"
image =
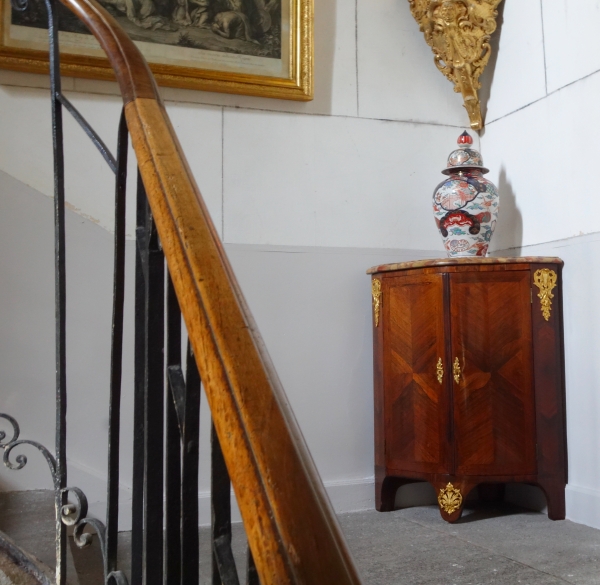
x,y
291,527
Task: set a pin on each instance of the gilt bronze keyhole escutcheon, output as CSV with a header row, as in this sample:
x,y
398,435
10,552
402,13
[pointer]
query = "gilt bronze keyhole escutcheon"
x,y
456,371
440,371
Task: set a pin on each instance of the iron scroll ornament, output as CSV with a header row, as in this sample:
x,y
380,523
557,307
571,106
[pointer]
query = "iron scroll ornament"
x,y
74,515
19,5
21,460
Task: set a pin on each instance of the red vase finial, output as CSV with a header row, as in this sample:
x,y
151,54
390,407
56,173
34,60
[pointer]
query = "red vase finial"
x,y
465,138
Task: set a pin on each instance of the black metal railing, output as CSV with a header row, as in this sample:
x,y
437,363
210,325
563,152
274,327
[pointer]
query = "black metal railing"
x,y
164,540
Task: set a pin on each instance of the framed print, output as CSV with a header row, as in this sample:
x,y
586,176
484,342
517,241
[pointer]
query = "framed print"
x,y
252,47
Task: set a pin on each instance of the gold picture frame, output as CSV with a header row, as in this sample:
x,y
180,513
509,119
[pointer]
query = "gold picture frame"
x,y
269,55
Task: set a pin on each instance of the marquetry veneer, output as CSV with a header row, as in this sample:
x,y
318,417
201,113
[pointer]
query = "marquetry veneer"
x,y
469,378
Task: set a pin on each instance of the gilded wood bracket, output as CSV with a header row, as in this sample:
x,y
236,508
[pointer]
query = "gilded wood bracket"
x,y
458,32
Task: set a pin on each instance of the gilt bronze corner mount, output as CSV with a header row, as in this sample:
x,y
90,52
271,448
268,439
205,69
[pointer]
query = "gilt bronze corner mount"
x,y
376,291
458,32
545,280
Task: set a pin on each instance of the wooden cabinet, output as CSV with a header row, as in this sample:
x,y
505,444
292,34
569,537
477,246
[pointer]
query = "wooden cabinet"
x,y
469,378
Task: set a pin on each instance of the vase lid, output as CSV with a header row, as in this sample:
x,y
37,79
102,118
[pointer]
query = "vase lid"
x,y
465,157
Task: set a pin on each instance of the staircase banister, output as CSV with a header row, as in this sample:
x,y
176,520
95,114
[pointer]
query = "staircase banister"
x,y
292,530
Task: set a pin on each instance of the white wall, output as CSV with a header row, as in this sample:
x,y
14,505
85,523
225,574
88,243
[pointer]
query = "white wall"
x,y
542,143
306,196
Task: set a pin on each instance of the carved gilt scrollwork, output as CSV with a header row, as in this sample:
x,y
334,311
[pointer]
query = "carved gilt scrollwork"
x,y
458,32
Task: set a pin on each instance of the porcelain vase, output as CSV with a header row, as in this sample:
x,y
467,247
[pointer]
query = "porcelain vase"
x,y
465,204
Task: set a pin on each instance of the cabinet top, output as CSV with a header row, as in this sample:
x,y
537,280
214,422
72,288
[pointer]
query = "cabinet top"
x,y
463,262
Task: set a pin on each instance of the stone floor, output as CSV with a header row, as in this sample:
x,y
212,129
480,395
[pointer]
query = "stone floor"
x,y
494,544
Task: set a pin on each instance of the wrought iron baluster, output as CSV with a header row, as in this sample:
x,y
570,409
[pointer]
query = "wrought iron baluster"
x,y
224,571
189,488
92,134
139,454
112,506
174,425
154,408
60,479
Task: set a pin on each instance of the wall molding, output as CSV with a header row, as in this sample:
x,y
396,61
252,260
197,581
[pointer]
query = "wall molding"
x,y
351,495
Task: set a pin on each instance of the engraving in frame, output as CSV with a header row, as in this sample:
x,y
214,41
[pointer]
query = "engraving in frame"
x,y
456,371
231,65
450,499
440,371
376,291
545,279
458,32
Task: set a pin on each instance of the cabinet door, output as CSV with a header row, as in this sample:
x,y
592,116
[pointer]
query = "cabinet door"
x,y
416,403
493,399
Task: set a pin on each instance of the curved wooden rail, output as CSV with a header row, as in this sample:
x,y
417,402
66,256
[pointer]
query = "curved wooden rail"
x,y
292,530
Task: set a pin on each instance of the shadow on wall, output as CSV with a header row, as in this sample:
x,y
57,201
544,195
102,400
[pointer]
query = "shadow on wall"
x,y
487,79
509,233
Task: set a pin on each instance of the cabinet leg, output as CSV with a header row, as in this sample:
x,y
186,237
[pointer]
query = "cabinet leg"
x,y
554,490
451,498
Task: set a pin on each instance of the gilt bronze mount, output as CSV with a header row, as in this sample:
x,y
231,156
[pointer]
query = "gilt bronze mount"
x,y
376,292
545,280
450,499
458,32
440,371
